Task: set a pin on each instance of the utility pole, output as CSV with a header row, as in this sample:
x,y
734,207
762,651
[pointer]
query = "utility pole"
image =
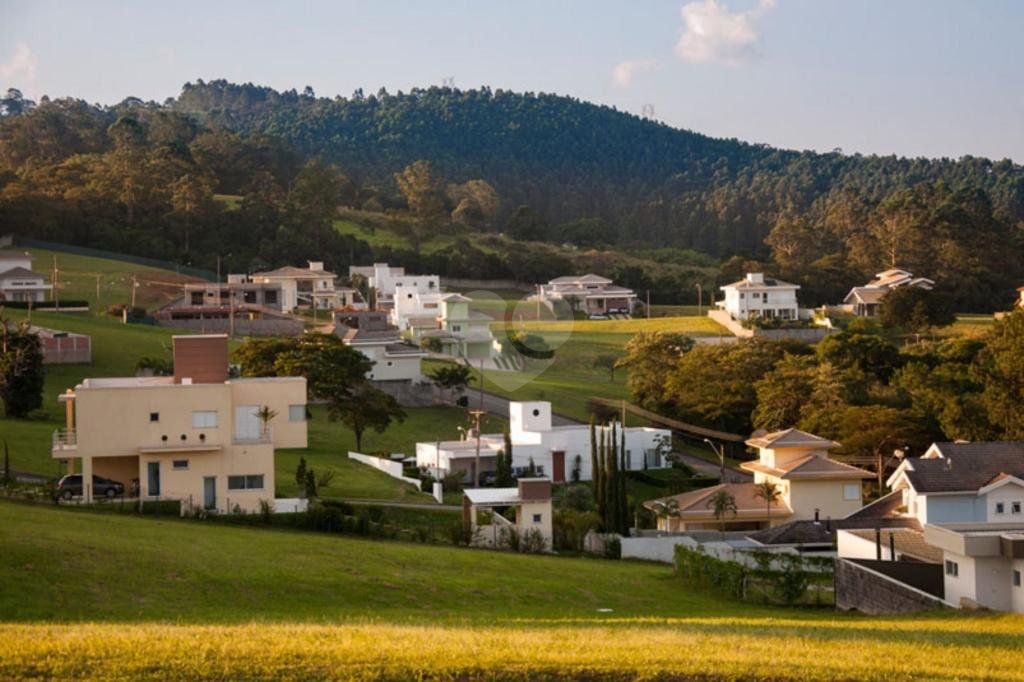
x,y
56,284
135,286
231,313
720,451
700,299
98,306
476,414
648,304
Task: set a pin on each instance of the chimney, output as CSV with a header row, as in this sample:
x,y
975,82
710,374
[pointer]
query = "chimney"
x,y
200,359
316,266
755,277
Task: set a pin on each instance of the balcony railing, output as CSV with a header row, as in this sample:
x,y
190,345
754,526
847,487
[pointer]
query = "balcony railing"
x,y
264,436
65,439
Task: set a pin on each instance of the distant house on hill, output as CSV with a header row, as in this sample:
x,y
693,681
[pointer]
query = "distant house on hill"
x,y
384,281
18,282
865,301
369,332
590,293
311,287
757,296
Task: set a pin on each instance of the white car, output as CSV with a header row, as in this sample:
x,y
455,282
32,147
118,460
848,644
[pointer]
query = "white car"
x,y
598,316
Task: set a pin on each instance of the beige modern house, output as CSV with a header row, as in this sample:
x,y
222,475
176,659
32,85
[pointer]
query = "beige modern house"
x,y
197,437
811,485
527,509
309,287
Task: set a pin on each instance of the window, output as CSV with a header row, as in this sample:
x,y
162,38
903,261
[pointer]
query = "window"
x,y
456,328
536,518
1000,507
1015,507
742,296
251,482
851,491
179,464
204,419
270,297
296,413
1016,578
390,364
154,416
952,568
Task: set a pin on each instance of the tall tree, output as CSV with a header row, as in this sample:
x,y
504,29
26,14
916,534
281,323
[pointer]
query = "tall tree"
x,y
21,369
364,407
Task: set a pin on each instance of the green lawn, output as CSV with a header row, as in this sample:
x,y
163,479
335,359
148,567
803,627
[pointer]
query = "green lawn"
x,y
330,443
78,279
89,596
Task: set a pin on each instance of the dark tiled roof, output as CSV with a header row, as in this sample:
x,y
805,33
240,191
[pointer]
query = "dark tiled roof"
x,y
22,272
886,506
965,466
908,541
823,532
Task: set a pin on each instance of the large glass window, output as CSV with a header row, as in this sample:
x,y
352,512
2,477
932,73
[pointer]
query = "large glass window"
x,y
296,413
153,475
851,491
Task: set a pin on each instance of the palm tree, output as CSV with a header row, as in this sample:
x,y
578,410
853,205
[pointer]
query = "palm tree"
x,y
667,508
722,503
266,414
770,493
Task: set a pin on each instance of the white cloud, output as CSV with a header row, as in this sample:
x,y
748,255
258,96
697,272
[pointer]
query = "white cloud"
x,y
713,33
20,69
622,74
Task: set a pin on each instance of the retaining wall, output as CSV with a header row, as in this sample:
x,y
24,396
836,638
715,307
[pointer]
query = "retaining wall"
x,y
862,586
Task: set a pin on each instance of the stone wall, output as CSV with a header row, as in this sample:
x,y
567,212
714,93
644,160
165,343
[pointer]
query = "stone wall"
x,y
861,586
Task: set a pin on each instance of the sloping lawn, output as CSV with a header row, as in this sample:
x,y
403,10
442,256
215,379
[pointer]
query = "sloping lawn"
x,y
96,596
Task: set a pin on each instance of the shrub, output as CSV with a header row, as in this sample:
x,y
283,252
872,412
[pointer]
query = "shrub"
x,y
613,549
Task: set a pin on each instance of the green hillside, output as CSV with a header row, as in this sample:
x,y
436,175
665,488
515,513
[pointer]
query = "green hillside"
x,y
84,595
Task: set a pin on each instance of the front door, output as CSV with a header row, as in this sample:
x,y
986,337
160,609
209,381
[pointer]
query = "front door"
x,y
153,472
247,423
558,466
209,492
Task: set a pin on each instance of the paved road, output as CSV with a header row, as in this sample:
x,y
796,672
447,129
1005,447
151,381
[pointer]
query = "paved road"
x,y
708,469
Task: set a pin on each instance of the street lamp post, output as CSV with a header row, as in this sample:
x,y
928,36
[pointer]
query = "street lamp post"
x,y
720,451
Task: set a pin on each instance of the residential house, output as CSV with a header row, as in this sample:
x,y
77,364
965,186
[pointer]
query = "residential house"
x,y
591,294
967,500
384,281
369,332
757,296
560,452
463,332
811,485
865,301
414,311
196,437
238,306
530,505
18,282
311,287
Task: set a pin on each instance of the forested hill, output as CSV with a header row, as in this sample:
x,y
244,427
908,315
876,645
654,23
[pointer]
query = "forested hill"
x,y
570,159
150,179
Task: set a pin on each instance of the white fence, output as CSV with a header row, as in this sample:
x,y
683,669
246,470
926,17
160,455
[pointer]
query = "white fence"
x,y
662,548
392,469
290,505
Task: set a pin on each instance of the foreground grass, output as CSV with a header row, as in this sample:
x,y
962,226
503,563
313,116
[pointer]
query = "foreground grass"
x,y
656,649
88,596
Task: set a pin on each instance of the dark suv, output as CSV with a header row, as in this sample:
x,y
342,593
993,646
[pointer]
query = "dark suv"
x,y
71,486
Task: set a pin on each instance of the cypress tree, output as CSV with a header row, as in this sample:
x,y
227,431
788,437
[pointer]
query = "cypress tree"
x,y
613,483
599,483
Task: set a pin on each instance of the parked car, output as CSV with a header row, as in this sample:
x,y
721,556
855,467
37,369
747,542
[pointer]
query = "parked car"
x,y
71,486
598,316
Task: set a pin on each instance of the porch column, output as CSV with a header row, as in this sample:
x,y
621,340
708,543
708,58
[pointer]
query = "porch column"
x,y
69,421
87,492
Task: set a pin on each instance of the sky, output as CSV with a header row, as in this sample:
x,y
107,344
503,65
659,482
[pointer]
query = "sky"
x,y
908,77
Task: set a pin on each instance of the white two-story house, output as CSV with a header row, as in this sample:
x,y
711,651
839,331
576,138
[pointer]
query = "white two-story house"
x,y
758,296
18,282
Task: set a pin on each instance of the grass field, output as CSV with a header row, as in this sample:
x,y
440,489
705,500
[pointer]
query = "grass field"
x,y
330,442
85,595
78,279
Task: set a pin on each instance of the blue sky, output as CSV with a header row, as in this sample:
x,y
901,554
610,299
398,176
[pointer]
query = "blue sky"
x,y
910,77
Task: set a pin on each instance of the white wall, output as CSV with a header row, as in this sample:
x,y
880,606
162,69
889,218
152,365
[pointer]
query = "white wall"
x,y
392,469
